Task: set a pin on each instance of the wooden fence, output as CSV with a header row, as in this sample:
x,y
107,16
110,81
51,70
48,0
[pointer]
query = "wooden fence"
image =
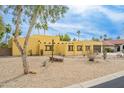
x,y
5,51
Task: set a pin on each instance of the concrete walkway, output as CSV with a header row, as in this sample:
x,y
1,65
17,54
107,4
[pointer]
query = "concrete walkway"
x,y
97,81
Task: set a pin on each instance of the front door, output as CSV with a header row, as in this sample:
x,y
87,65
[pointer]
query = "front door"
x,y
118,48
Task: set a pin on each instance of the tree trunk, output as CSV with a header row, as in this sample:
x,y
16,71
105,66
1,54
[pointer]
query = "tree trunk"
x,y
23,53
38,32
44,32
23,50
25,64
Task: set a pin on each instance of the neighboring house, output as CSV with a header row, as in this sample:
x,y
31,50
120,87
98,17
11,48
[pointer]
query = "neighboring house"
x,y
42,45
116,45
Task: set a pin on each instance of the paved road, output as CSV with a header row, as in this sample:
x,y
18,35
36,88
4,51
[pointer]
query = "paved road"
x,y
116,83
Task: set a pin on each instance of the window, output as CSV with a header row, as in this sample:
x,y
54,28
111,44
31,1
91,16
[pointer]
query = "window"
x,y
79,48
123,46
96,48
48,47
87,48
70,47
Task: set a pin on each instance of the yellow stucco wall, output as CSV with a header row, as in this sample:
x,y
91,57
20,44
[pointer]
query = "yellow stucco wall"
x,y
37,43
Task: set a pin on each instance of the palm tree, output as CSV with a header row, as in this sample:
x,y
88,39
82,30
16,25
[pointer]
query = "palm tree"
x,y
78,32
45,27
105,36
118,37
38,27
101,37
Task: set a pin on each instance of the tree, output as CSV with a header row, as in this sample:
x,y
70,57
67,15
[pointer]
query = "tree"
x,y
38,27
109,38
19,33
66,37
78,33
74,39
95,39
101,38
105,37
2,29
7,32
33,15
118,37
61,37
45,27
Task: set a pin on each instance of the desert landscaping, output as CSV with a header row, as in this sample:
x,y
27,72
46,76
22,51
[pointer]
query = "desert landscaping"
x,y
74,69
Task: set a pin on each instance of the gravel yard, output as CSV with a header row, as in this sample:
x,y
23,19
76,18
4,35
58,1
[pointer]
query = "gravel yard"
x,y
73,70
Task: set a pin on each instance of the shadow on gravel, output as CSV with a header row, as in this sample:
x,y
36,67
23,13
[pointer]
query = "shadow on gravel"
x,y
9,80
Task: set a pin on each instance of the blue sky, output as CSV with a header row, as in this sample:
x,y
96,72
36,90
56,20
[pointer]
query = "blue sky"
x,y
92,21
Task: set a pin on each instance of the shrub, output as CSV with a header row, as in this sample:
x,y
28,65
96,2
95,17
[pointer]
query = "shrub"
x,y
91,57
109,50
4,45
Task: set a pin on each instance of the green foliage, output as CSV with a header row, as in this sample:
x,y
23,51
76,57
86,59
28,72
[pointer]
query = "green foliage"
x,y
105,53
74,39
3,45
8,28
19,33
95,39
61,37
43,13
78,32
7,32
38,27
45,26
105,36
65,37
109,50
2,29
118,37
32,15
101,37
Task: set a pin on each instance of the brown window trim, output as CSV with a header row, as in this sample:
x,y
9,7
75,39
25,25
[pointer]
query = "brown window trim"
x,y
78,49
72,48
87,48
46,47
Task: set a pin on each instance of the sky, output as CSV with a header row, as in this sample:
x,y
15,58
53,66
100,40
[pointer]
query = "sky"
x,y
92,21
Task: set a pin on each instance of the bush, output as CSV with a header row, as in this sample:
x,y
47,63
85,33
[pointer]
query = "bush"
x,y
91,57
4,45
30,52
109,50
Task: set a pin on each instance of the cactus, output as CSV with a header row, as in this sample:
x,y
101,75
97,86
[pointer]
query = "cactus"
x,y
104,54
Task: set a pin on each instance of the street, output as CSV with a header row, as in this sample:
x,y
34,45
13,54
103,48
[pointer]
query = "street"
x,y
116,83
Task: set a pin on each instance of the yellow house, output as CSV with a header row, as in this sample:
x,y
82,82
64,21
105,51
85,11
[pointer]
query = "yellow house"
x,y
43,45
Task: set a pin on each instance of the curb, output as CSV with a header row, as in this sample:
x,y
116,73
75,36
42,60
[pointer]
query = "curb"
x,y
97,81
